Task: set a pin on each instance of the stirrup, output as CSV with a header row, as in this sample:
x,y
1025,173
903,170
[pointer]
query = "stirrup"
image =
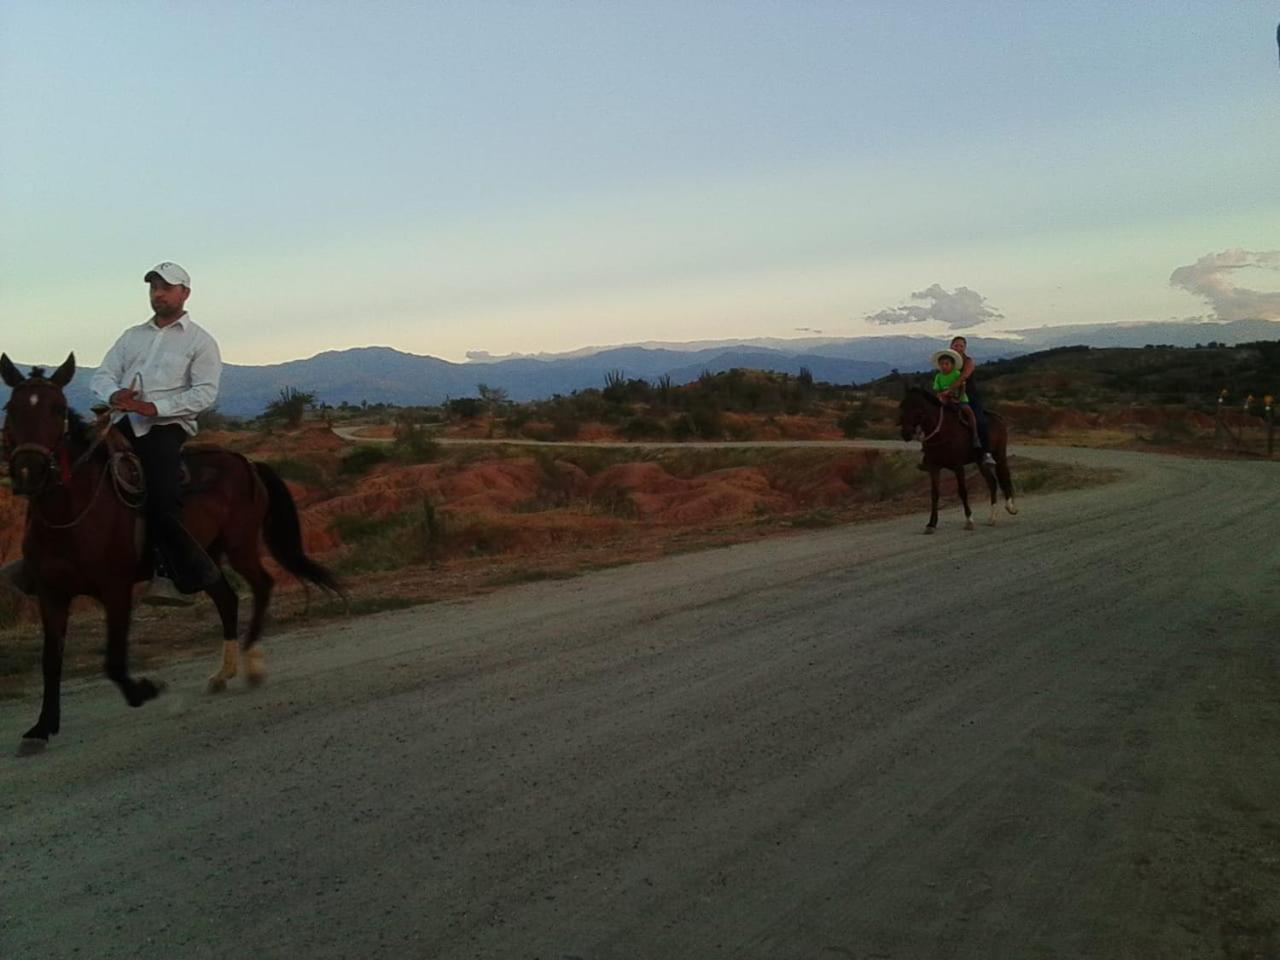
x,y
162,593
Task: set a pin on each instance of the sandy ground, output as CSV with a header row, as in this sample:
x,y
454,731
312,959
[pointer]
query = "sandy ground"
x,y
1051,739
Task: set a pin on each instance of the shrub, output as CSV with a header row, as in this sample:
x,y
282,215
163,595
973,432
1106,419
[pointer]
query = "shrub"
x,y
468,408
362,459
388,543
707,422
643,428
290,407
853,423
413,444
888,475
565,428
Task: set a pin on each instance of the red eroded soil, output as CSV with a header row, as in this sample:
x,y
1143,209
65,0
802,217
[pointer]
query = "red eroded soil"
x,y
13,515
520,504
1065,419
783,427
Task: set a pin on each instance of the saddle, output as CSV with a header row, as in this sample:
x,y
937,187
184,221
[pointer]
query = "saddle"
x,y
196,473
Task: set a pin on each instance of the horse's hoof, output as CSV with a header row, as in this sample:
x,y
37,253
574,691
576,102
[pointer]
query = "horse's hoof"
x,y
1008,505
145,690
254,674
930,530
215,684
968,524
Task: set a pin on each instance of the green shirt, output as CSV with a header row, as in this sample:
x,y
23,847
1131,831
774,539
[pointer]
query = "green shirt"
x,y
941,381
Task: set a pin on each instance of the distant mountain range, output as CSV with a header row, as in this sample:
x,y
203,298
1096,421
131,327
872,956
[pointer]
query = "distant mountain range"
x,y
382,374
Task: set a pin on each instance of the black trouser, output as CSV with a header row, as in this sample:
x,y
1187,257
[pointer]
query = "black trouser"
x,y
975,404
160,450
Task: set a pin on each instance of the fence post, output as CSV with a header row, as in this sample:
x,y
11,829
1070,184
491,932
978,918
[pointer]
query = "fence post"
x,y
1271,423
1244,422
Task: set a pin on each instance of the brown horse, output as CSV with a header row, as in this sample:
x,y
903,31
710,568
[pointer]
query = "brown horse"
x,y
948,445
82,538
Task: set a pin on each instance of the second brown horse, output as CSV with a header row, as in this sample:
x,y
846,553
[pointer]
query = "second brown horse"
x,y
948,445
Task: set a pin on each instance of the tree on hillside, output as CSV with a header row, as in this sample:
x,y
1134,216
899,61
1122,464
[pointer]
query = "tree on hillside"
x,y
290,407
493,397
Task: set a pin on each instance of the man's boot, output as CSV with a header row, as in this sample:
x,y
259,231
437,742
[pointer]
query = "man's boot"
x,y
161,591
16,576
183,568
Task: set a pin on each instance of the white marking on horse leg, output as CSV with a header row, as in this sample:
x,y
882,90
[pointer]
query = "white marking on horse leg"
x,y
991,520
230,659
253,668
1010,505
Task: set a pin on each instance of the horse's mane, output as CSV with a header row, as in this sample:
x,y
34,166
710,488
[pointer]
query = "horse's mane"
x,y
923,392
82,433
78,429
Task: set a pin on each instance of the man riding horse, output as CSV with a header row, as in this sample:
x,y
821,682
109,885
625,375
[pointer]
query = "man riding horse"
x,y
156,379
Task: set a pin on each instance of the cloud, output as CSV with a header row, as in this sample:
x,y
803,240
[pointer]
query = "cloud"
x,y
959,309
1211,278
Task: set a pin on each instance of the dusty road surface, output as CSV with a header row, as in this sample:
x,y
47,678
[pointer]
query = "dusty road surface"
x,y
1055,738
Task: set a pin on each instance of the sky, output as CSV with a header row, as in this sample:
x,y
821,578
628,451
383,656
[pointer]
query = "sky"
x,y
480,177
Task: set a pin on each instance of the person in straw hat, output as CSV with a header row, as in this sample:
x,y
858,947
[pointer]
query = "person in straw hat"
x,y
949,388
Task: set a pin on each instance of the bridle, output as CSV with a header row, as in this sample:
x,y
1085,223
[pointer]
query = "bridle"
x,y
926,437
50,455
55,458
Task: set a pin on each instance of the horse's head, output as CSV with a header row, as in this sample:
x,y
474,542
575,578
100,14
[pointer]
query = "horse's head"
x,y
917,413
35,423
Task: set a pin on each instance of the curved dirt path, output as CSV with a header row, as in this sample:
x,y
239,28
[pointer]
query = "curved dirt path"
x,y
1054,739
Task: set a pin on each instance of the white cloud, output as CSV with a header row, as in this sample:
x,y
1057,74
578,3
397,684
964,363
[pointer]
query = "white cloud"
x,y
1212,278
959,309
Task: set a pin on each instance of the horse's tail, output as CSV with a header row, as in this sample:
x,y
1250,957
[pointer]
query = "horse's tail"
x,y
283,533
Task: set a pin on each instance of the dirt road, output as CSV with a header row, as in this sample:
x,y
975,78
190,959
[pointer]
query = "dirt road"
x,y
1052,739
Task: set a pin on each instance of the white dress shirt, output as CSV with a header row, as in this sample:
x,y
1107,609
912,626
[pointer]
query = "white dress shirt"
x,y
177,367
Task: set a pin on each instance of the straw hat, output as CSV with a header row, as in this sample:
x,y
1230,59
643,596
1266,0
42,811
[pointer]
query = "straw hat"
x,y
955,358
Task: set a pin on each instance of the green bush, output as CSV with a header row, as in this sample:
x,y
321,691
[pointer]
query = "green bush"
x,y
362,459
565,428
388,543
644,428
854,423
888,475
413,444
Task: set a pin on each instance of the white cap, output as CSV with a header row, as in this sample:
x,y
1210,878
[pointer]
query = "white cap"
x,y
170,273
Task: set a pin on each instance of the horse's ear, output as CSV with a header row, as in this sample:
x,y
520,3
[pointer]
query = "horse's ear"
x,y
62,376
9,372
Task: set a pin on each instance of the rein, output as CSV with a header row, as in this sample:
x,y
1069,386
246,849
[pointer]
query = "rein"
x,y
64,471
97,442
942,413
97,491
